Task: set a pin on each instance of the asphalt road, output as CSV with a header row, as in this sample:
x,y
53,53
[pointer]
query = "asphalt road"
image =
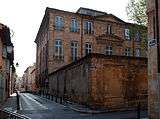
x,y
36,107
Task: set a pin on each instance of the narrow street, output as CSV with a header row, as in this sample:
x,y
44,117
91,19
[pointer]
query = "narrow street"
x,y
37,107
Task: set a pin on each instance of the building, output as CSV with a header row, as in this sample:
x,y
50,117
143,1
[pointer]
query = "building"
x,y
65,37
153,12
6,62
28,78
19,84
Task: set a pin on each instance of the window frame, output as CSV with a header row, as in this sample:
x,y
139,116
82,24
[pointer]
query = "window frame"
x,y
127,52
74,50
109,50
127,34
58,48
136,53
88,48
59,22
109,29
137,36
74,25
88,27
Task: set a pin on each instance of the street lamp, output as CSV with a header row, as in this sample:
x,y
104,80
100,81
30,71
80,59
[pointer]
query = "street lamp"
x,y
17,65
9,49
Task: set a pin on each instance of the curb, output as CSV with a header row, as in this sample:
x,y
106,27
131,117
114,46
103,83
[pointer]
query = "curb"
x,y
87,111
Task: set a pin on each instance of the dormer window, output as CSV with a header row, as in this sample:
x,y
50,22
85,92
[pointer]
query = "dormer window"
x,y
88,27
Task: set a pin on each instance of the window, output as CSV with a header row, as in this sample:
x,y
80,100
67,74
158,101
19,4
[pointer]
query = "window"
x,y
109,29
108,50
127,34
74,50
88,27
88,48
138,52
74,25
58,48
137,36
4,53
127,52
59,23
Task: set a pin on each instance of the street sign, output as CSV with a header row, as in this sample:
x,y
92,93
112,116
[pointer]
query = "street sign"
x,y
152,42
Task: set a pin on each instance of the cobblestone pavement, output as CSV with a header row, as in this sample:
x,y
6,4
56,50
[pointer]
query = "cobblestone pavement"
x,y
37,107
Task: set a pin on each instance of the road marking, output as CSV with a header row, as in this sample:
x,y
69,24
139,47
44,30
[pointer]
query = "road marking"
x,y
33,100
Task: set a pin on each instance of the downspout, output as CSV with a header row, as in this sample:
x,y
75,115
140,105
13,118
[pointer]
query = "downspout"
x,y
157,34
81,36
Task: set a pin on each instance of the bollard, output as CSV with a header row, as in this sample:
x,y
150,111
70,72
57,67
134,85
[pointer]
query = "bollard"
x,y
60,100
18,107
138,111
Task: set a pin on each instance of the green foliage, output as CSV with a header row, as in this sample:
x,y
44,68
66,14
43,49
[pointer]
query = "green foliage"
x,y
134,28
136,11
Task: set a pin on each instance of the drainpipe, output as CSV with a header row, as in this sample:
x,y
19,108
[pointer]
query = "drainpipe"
x,y
81,36
157,33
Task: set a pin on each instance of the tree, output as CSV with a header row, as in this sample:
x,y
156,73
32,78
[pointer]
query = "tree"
x,y
136,11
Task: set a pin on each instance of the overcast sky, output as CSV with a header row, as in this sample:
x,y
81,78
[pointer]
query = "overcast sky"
x,y
24,18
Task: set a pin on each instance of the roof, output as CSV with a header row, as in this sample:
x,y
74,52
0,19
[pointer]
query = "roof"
x,y
98,55
104,13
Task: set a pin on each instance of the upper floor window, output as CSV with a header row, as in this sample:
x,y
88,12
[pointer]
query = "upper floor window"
x,y
74,50
88,27
137,36
138,52
59,23
74,25
127,34
88,48
58,48
109,29
127,52
4,53
109,50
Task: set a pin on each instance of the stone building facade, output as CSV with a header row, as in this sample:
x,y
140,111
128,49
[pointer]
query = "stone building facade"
x,y
98,80
153,12
29,82
65,37
6,62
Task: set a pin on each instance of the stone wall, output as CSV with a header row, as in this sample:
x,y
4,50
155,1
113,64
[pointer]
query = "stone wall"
x,y
153,74
102,81
71,82
116,80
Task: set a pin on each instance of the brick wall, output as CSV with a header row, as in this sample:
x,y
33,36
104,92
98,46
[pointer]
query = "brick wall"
x,y
102,81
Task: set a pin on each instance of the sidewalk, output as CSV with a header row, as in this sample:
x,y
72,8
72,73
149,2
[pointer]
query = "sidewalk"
x,y
10,104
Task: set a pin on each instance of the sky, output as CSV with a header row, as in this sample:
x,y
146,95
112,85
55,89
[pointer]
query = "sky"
x,y
24,17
